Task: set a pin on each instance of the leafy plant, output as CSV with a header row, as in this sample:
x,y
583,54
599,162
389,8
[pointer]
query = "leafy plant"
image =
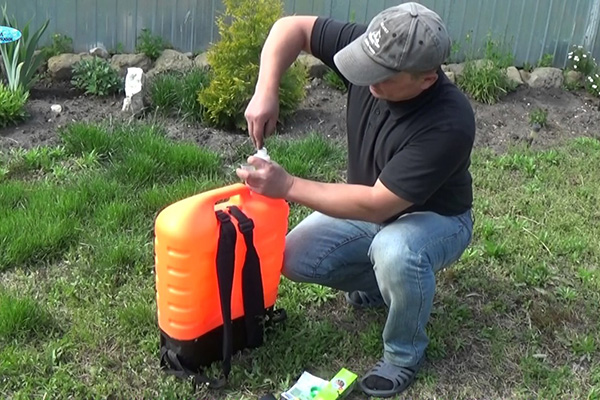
x,y
581,60
96,76
547,60
235,60
149,44
177,93
20,62
60,44
12,105
538,116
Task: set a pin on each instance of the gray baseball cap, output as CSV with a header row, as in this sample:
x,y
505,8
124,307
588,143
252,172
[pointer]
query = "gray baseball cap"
x,y
408,37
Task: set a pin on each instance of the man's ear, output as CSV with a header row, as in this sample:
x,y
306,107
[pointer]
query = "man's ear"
x,y
428,79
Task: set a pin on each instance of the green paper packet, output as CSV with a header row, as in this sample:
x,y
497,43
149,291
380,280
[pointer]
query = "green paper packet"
x,y
338,387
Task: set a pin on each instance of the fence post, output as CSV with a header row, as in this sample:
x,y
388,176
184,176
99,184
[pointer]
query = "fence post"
x,y
591,30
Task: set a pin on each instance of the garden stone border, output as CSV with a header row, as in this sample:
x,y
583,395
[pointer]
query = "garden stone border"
x,y
60,68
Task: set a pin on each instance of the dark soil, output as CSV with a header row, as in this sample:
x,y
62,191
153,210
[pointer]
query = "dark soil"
x,y
570,114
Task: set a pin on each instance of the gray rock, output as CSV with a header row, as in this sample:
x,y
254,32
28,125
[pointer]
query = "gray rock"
x,y
513,75
546,77
457,69
121,62
573,78
450,76
200,61
525,75
60,67
316,68
170,60
100,51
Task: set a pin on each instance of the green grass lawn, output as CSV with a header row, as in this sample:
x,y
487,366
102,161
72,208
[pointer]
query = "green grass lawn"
x,y
517,317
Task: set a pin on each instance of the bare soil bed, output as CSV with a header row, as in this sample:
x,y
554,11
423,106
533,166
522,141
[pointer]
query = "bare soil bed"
x,y
570,114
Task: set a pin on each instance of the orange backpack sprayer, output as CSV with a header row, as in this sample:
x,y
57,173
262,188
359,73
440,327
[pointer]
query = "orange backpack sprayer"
x,y
215,290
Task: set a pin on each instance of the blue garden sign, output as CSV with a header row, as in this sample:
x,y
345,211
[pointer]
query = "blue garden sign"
x,y
8,34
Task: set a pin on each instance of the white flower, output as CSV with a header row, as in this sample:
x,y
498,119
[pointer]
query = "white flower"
x,y
594,86
597,76
574,66
580,47
576,59
590,79
584,55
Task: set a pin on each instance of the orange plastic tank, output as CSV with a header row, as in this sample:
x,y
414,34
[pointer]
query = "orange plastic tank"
x,y
186,241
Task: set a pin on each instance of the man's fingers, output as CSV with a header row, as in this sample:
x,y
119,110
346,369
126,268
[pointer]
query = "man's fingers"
x,y
251,132
242,173
271,125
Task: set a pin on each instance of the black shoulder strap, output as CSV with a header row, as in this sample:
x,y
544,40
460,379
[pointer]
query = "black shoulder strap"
x,y
225,268
252,285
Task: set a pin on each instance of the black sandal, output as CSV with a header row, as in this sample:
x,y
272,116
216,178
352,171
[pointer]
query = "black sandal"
x,y
361,299
400,378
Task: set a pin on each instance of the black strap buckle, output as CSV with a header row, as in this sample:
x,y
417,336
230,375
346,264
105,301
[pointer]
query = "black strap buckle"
x,y
246,226
222,216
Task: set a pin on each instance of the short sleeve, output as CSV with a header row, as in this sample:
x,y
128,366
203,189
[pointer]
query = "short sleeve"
x,y
417,171
330,36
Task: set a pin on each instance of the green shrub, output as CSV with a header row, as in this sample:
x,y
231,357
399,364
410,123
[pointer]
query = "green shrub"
x,y
149,44
12,105
20,62
235,60
60,44
96,76
177,93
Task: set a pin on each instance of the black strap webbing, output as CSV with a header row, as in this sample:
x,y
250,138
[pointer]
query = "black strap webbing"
x,y
252,285
225,268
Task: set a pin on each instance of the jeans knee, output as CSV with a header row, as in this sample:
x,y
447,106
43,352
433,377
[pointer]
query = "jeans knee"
x,y
391,257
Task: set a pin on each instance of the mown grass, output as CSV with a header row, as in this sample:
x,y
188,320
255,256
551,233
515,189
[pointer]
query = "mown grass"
x,y
517,317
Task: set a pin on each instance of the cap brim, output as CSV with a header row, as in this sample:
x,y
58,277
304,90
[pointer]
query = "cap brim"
x,y
358,67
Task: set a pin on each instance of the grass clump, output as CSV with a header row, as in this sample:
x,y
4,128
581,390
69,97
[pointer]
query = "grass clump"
x,y
485,80
235,59
96,76
12,105
334,81
177,93
22,318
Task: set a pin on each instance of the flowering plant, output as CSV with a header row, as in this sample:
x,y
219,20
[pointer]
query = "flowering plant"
x,y
581,60
592,84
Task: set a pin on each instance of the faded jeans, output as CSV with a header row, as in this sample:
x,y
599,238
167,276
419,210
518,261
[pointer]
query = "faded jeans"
x,y
397,261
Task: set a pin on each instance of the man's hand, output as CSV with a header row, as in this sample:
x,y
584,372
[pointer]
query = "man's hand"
x,y
268,178
262,114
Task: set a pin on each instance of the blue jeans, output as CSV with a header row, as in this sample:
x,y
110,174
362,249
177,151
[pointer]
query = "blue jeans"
x,y
397,261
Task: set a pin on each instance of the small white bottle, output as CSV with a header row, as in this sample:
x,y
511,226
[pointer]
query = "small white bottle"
x,y
262,153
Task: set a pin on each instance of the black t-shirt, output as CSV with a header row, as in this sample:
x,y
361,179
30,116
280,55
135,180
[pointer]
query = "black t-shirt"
x,y
420,149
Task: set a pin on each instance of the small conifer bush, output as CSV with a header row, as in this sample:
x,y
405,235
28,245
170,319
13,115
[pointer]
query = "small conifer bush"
x,y
234,61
